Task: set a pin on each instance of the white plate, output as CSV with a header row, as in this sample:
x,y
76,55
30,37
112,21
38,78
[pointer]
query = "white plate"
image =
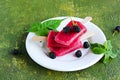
x,y
68,62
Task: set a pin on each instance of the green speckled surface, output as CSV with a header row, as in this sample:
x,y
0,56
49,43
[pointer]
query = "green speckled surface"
x,y
17,15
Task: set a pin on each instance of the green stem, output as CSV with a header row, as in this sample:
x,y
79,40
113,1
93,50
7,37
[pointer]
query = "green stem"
x,y
73,21
16,45
114,33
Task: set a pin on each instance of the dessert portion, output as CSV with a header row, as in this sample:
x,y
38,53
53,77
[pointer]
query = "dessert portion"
x,y
72,30
51,40
67,40
60,49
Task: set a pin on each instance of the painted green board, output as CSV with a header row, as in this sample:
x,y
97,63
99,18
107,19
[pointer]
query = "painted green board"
x,y
16,16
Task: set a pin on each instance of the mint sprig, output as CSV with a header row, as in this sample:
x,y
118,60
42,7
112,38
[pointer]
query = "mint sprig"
x,y
43,28
105,49
98,48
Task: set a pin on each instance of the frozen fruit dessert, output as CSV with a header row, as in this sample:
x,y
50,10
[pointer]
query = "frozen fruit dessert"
x,y
67,37
58,49
50,40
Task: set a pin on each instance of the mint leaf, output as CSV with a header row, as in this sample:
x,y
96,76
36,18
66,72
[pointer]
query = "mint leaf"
x,y
34,27
113,54
52,24
42,29
108,45
105,49
96,45
106,58
98,50
42,32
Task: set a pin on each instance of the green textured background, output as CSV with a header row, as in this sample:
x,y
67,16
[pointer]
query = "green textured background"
x,y
17,15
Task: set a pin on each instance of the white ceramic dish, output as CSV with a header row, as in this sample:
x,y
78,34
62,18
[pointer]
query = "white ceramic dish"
x,y
68,62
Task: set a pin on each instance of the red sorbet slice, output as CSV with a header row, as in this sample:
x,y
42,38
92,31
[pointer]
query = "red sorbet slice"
x,y
50,40
68,38
58,49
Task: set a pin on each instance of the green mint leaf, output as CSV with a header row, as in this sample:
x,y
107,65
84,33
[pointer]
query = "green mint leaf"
x,y
108,45
113,54
52,24
42,29
34,27
96,45
105,49
106,58
98,50
42,32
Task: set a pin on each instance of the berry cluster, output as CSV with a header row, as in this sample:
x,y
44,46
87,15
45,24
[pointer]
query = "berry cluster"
x,y
75,28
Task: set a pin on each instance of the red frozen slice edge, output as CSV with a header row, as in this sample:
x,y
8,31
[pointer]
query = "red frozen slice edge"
x,y
50,40
60,51
68,38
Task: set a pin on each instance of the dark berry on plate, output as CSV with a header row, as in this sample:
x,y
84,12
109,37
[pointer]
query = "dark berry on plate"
x,y
15,51
78,53
52,55
86,45
66,29
76,28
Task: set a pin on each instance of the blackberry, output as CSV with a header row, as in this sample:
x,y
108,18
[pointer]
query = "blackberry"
x,y
86,45
78,53
66,29
52,55
116,29
76,28
15,51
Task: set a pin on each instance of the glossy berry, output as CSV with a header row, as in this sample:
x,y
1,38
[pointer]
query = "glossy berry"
x,y
86,45
76,28
52,55
66,29
15,51
78,53
117,28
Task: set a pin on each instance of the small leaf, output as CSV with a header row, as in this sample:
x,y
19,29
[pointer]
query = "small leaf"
x,y
42,29
42,32
106,58
113,54
52,24
105,44
108,45
34,27
106,49
96,45
98,50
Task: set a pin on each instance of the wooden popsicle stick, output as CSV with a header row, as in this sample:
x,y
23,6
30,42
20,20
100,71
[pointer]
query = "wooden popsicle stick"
x,y
39,38
86,35
86,19
43,38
